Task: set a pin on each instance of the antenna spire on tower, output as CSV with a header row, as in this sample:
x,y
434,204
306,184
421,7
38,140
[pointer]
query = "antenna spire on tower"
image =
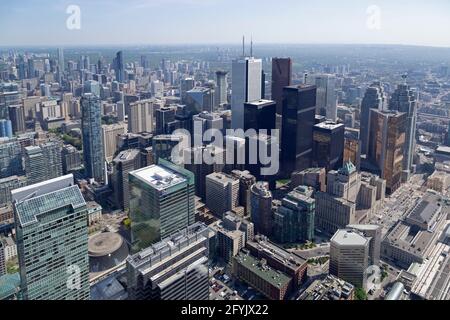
x,y
243,46
251,47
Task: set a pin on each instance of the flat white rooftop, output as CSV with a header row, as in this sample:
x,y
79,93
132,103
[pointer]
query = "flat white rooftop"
x,y
159,177
349,238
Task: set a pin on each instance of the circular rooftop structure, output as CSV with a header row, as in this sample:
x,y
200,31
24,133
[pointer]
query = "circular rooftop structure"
x,y
106,251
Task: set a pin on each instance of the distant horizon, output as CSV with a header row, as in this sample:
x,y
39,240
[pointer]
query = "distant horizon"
x,y
205,44
30,23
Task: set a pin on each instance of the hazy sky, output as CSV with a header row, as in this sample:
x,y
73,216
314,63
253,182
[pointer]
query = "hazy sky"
x,y
43,22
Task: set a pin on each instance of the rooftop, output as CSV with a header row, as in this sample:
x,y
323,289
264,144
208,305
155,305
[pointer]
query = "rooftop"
x,y
261,269
349,238
330,288
28,210
426,210
329,125
159,177
9,285
261,102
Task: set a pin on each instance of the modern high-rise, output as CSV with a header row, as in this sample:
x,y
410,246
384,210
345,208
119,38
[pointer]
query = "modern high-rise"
x,y
10,158
119,67
326,95
203,122
110,135
222,88
2,260
281,77
193,160
186,84
176,268
61,63
374,98
387,144
246,85
91,124
52,240
43,162
5,128
328,145
294,219
164,116
35,164
161,202
246,181
71,159
222,193
299,109
125,162
140,117
349,257
7,185
17,117
260,115
261,208
404,99
373,233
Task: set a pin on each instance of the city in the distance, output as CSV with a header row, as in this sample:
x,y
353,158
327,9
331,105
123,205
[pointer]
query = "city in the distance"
x,y
173,158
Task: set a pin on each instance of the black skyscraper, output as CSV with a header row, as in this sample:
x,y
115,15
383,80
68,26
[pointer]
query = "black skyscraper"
x,y
328,145
259,115
281,77
299,103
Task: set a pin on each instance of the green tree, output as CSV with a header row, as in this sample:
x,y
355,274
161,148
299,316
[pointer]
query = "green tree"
x,y
360,294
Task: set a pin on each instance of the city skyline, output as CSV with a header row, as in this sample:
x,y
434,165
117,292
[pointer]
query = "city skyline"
x,y
145,22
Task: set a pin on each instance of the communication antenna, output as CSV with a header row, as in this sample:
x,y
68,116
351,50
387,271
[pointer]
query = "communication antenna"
x,y
251,47
243,46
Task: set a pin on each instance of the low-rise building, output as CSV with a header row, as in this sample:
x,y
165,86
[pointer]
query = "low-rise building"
x,y
330,288
273,284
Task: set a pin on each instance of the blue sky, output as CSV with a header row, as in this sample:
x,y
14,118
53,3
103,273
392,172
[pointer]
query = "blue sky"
x,y
43,22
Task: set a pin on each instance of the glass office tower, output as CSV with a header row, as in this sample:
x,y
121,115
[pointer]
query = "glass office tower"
x,y
91,123
52,240
162,201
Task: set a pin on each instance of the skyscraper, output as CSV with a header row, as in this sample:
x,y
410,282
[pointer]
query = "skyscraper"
x,y
281,77
326,95
387,140
328,145
261,208
42,162
91,123
61,64
119,67
35,165
110,134
374,98
260,115
5,128
186,85
175,268
299,108
193,161
17,117
349,255
140,118
404,100
294,219
125,162
222,193
161,202
52,237
246,86
222,88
